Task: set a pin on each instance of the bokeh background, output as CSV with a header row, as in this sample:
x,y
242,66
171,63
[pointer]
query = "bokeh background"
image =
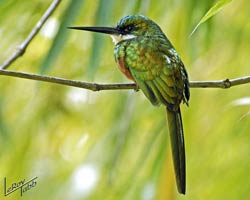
x,y
114,144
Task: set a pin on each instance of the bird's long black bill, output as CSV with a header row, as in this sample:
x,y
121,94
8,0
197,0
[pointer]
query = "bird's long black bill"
x,y
106,30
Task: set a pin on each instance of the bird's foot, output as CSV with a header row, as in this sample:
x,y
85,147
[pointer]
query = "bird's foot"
x,y
136,87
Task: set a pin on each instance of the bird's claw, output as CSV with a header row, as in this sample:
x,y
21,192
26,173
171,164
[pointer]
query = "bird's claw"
x,y
136,87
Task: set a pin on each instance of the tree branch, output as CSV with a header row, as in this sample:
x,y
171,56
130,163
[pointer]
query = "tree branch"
x,y
224,84
22,48
93,86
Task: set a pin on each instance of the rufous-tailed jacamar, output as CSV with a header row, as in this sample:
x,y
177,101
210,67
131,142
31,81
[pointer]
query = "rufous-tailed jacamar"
x,y
146,56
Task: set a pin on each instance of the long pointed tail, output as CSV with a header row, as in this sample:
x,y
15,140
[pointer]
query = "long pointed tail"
x,y
178,148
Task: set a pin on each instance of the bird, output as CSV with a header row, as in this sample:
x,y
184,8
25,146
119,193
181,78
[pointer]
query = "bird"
x,y
145,56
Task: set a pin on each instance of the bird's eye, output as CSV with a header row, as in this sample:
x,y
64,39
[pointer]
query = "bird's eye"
x,y
129,28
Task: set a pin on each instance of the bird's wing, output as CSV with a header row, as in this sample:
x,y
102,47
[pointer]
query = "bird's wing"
x,y
158,75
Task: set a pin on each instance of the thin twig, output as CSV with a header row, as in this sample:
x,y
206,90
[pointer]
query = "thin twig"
x,y
74,83
224,84
22,48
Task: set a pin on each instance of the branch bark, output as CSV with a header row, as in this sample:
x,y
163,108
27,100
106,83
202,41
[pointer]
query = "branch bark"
x,y
22,48
224,84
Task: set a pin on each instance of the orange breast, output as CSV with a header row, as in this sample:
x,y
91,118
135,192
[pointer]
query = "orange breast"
x,y
122,67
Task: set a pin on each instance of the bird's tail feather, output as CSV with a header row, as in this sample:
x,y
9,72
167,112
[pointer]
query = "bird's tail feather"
x,y
178,148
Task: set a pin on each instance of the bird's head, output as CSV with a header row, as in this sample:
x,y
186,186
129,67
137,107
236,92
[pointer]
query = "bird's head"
x,y
127,28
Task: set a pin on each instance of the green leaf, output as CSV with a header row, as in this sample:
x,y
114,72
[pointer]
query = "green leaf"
x,y
211,12
102,18
69,15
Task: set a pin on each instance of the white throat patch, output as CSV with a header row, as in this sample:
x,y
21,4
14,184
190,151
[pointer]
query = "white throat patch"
x,y
118,38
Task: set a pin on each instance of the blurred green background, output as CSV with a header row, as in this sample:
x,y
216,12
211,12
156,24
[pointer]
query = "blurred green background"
x,y
114,144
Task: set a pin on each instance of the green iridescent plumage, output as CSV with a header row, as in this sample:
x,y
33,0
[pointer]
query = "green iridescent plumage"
x,y
146,56
160,74
153,62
